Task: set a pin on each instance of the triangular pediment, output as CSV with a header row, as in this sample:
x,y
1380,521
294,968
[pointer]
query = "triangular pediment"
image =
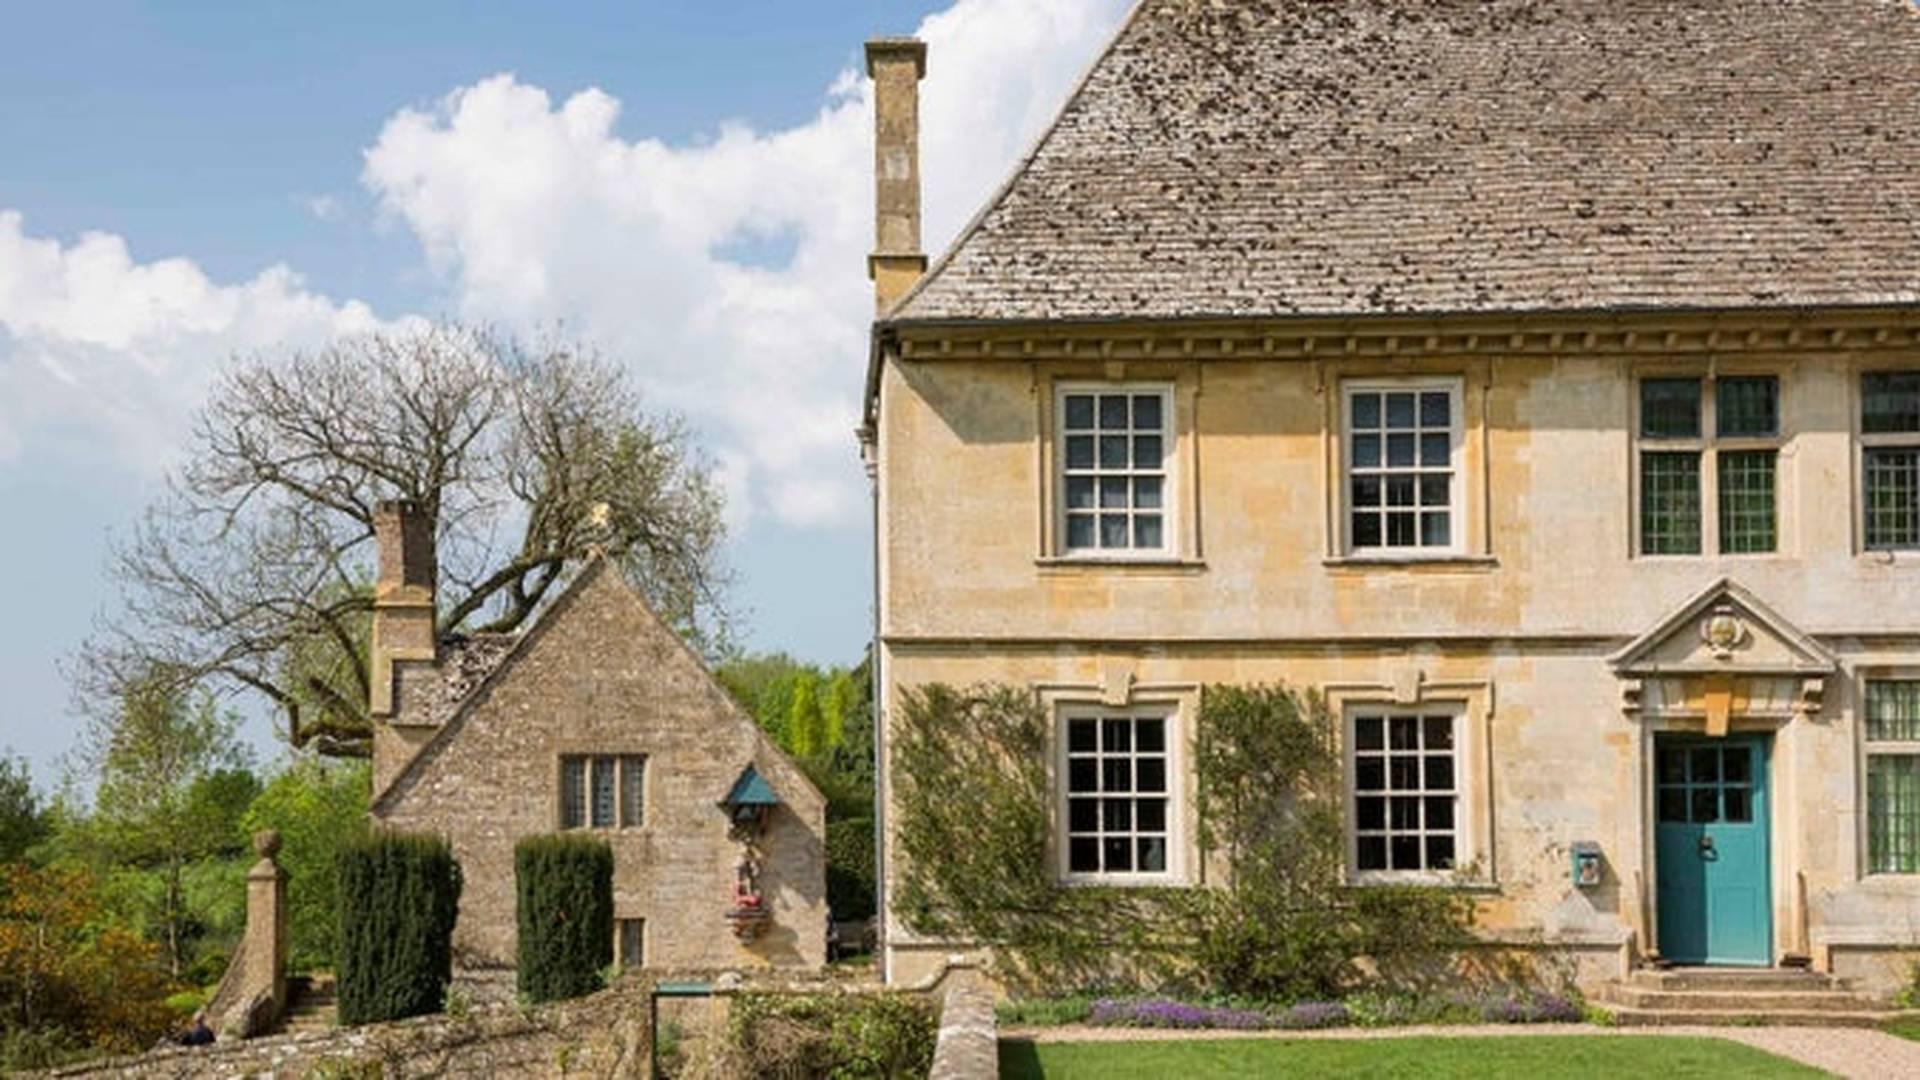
x,y
1724,629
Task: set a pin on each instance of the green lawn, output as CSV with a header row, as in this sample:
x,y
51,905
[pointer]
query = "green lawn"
x,y
1534,1057
1906,1029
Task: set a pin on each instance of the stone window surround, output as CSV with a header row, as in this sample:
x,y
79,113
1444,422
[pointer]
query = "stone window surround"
x,y
1181,384
1862,675
1856,405
568,749
1169,509
1457,506
1472,704
1117,694
1708,372
1472,527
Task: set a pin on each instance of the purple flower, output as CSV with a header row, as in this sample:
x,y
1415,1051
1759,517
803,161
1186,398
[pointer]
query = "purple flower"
x,y
1309,1015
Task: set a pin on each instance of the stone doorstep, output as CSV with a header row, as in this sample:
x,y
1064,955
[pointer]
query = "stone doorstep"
x,y
1755,1001
1706,978
1628,1017
1740,996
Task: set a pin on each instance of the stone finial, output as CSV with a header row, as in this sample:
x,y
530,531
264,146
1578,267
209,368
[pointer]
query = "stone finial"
x,y
266,843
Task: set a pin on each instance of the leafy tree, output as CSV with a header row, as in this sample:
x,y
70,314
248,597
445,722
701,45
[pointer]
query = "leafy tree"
x,y
65,977
251,570
23,821
805,724
843,698
173,782
320,809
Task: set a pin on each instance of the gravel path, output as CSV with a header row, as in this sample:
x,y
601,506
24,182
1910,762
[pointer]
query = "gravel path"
x,y
1849,1052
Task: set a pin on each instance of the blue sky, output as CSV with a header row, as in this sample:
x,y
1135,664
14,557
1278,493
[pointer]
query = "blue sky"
x,y
685,184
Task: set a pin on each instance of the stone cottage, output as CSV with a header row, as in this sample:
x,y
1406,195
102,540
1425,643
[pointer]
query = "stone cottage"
x,y
600,719
1539,380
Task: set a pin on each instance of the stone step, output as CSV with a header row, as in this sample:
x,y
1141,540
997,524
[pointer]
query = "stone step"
x,y
1741,1000
1734,979
1739,1018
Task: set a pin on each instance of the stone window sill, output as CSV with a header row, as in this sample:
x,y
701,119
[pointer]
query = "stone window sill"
x,y
1094,564
1468,563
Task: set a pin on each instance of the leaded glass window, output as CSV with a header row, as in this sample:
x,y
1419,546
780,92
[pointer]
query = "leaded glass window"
x,y
1890,403
1118,768
1747,501
1890,459
1670,503
1114,448
1701,450
602,791
1893,776
1402,476
1406,796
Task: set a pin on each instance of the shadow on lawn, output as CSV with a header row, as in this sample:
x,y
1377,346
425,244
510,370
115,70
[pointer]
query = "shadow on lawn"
x,y
1019,1060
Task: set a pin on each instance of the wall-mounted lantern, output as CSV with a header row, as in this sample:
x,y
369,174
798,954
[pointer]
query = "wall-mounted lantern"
x,y
1586,864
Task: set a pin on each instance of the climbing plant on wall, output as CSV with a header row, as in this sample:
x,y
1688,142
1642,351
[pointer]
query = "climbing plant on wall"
x,y
1276,918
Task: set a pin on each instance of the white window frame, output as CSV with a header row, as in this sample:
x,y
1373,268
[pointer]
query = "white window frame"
x,y
1170,517
1463,808
1174,831
1455,387
1868,442
1871,748
621,764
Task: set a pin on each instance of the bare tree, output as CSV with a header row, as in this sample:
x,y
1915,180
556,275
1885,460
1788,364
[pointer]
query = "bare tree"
x,y
254,568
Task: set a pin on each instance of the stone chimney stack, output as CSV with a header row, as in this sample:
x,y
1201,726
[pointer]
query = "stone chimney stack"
x,y
896,66
403,606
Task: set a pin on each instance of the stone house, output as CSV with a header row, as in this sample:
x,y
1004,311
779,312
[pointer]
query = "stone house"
x,y
1539,380
597,718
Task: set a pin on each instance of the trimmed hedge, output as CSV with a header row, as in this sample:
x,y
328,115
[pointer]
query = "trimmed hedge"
x,y
850,868
399,895
565,909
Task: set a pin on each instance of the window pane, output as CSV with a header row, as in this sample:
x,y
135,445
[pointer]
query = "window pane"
x,y
1436,489
1670,408
1083,815
1147,453
1438,732
1739,803
1440,812
1893,498
1366,491
1113,493
1670,504
1436,449
1150,815
1146,412
1439,772
1746,501
1703,765
1369,733
1366,451
1404,732
1083,736
1439,852
1404,813
1146,532
1706,805
1673,765
1366,530
1893,710
1113,530
1673,805
1116,775
1150,774
602,779
1113,451
1400,410
1404,772
1117,815
1113,412
1150,736
1737,766
1083,774
1373,853
1079,451
1402,490
1401,529
1406,852
1890,402
1079,531
1116,735
1079,492
633,787
1118,852
1400,450
1370,774
573,793
1146,492
1366,411
1370,813
1747,405
1079,412
1436,529
632,943
1436,409
1893,813
1153,855
1083,855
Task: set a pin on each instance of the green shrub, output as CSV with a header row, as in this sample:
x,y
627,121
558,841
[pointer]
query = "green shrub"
x,y
399,896
842,1036
1046,1011
850,868
565,907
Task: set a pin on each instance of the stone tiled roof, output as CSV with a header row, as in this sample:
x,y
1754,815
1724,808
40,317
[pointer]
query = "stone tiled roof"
x,y
465,663
1361,157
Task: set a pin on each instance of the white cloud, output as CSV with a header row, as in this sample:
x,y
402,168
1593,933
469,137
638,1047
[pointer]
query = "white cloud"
x,y
324,207
538,213
113,354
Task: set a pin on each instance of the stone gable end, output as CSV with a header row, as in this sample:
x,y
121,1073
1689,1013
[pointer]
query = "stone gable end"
x,y
601,674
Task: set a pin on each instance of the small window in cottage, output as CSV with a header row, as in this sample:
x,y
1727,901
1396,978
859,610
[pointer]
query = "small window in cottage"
x,y
602,791
1115,443
631,944
1700,450
1890,465
1893,776
1406,791
1401,446
1118,768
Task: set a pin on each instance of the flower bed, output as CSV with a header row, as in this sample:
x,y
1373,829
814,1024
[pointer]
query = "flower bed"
x,y
1363,1010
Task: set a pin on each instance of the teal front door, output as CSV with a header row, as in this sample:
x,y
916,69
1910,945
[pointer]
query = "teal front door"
x,y
1711,843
